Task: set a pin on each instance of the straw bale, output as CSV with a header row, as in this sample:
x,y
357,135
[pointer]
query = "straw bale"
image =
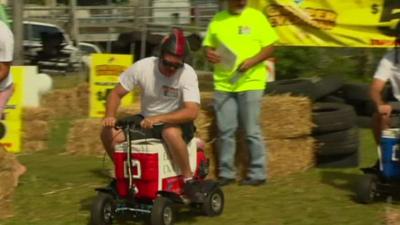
x,y
63,102
6,210
37,113
82,94
288,156
34,146
284,131
35,130
84,137
7,184
71,103
10,170
285,116
6,189
391,216
284,156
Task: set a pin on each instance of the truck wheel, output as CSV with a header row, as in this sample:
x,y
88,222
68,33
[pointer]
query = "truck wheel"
x,y
366,190
214,203
162,212
103,209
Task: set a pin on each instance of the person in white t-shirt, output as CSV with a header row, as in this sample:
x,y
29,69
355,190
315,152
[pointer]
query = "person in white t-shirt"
x,y
388,71
6,57
169,96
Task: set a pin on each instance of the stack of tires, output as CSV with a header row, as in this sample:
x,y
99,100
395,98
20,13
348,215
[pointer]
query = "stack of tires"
x,y
336,134
333,114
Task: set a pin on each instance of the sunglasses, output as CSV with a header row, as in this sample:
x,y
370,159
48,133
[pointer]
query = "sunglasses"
x,y
169,64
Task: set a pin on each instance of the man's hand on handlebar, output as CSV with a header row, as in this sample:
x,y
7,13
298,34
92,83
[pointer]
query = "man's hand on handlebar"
x,y
109,121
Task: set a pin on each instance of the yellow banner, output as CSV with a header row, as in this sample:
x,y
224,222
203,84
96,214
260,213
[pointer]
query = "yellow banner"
x,y
10,127
332,23
104,75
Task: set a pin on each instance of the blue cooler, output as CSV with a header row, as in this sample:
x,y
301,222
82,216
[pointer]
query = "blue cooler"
x,y
390,154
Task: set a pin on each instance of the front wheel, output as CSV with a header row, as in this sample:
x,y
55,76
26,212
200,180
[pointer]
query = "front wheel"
x,y
162,212
103,210
214,203
367,188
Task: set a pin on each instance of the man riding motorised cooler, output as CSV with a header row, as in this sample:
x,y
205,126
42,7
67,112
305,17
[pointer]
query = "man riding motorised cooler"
x,y
170,101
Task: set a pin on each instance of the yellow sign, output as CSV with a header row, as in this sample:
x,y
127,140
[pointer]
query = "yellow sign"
x,y
10,127
332,23
104,75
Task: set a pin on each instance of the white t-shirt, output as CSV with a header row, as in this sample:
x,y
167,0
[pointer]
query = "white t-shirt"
x,y
161,94
6,51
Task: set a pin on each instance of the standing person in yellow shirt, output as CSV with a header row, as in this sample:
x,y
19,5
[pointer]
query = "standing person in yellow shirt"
x,y
238,41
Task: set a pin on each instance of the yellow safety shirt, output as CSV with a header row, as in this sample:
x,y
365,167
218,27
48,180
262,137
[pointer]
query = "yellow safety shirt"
x,y
244,35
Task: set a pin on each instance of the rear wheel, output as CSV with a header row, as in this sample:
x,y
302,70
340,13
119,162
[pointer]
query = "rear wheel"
x,y
162,212
103,210
367,188
214,203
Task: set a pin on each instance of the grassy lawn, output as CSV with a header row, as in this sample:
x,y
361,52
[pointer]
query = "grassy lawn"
x,y
58,189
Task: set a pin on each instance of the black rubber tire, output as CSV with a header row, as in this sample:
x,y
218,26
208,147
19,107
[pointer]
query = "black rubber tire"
x,y
338,161
366,188
103,209
356,91
326,86
162,212
332,99
295,87
329,117
338,142
214,203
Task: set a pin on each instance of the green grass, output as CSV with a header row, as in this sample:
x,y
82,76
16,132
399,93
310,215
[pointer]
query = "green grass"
x,y
58,189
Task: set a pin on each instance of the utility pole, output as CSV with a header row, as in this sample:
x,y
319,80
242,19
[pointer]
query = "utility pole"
x,y
147,4
74,28
18,30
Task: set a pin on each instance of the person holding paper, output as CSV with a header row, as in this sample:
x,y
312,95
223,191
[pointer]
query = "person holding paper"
x,y
238,41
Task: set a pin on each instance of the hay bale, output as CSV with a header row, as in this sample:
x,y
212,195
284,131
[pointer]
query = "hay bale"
x,y
82,95
37,113
35,130
70,103
391,216
285,116
84,137
284,132
10,171
284,157
289,156
62,101
34,146
6,209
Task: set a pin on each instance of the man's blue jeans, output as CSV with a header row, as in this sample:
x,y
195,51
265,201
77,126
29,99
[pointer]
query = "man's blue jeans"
x,y
233,109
